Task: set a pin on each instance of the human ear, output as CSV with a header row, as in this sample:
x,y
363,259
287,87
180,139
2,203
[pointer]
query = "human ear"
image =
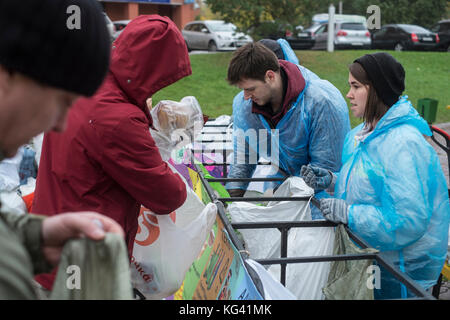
x,y
270,75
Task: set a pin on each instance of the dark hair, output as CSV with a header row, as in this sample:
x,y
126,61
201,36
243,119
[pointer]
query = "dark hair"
x,y
251,62
274,46
375,107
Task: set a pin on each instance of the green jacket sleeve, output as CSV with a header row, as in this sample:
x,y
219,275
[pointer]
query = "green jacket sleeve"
x,y
27,227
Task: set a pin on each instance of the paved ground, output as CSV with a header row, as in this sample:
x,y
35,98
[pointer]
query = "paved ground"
x,y
445,287
201,52
445,291
440,151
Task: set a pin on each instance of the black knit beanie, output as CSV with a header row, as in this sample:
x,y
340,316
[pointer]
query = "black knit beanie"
x,y
387,75
37,39
274,46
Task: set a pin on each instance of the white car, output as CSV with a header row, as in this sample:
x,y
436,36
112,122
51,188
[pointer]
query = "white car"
x,y
346,35
213,35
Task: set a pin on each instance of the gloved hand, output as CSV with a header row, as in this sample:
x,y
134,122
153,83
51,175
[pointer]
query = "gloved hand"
x,y
315,177
335,210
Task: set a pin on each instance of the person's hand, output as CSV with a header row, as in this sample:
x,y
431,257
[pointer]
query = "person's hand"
x,y
149,103
315,177
335,210
235,193
56,230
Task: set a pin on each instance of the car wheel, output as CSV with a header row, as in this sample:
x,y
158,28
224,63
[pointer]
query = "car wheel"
x,y
399,47
212,46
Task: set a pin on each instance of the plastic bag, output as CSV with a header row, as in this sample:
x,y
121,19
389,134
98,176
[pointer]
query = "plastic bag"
x,y
177,124
167,245
273,289
9,172
304,280
265,243
12,202
28,166
27,192
348,279
37,147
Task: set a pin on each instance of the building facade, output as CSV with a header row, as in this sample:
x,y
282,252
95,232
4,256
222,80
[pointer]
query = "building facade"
x,y
180,11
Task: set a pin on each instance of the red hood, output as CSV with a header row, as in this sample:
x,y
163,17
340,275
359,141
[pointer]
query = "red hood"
x,y
137,63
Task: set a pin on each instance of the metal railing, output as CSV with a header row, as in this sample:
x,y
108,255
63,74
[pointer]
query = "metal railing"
x,y
285,226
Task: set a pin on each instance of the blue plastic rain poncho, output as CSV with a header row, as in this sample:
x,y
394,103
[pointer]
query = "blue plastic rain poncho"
x,y
398,196
289,54
312,131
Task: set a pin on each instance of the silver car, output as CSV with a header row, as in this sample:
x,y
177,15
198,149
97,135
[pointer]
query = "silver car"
x,y
346,35
213,35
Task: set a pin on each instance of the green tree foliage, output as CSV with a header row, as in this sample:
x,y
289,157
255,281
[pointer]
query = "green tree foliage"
x,y
245,14
421,12
251,13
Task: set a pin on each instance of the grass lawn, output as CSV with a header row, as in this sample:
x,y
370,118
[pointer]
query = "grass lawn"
x,y
427,76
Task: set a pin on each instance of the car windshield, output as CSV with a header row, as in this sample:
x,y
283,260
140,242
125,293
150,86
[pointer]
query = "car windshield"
x,y
221,26
353,26
413,29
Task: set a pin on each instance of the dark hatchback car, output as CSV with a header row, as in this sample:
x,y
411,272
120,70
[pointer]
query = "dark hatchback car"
x,y
295,36
442,28
300,39
401,37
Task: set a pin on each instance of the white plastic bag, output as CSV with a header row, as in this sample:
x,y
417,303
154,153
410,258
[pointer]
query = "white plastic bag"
x,y
304,280
167,245
177,124
12,202
273,289
266,243
37,146
29,187
9,172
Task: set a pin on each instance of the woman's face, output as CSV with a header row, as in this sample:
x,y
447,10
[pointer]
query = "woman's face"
x,y
357,95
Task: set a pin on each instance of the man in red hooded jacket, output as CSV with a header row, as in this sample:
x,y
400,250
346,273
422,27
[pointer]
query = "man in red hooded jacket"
x,y
106,160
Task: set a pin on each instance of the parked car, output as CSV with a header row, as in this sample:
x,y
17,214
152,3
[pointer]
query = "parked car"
x,y
300,38
323,18
442,28
401,37
213,35
295,36
312,29
346,35
109,26
120,25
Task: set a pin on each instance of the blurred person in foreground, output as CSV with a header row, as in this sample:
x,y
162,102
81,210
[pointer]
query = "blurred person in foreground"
x,y
44,68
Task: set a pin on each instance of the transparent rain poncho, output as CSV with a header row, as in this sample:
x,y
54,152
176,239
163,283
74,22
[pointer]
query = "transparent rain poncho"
x,y
289,54
398,197
312,131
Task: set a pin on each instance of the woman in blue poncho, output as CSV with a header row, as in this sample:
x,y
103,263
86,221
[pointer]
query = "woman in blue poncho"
x,y
391,190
